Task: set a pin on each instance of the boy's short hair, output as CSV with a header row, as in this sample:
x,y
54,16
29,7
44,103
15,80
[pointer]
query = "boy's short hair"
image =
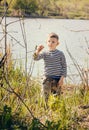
x,y
53,35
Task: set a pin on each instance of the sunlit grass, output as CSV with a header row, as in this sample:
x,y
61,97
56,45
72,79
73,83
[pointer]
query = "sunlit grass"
x,y
62,111
22,105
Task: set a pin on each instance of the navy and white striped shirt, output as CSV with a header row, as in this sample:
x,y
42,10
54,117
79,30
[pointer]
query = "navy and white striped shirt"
x,y
54,63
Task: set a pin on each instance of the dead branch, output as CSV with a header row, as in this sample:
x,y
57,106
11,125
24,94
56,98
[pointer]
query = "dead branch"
x,y
2,61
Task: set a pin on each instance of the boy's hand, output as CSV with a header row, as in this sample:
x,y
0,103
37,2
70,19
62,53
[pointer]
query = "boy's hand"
x,y
39,48
61,81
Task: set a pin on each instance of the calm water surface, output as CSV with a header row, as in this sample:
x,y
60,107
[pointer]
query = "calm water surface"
x,y
72,33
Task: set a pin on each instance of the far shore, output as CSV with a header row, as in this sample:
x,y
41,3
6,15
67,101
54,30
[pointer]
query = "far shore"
x,y
45,17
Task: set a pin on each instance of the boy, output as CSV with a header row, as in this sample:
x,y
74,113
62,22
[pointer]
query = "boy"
x,y
55,69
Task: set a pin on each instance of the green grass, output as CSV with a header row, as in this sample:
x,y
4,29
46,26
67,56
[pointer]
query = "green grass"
x,y
22,106
63,113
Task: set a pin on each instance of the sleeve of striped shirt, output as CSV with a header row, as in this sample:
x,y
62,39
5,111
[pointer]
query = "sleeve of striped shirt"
x,y
38,57
64,65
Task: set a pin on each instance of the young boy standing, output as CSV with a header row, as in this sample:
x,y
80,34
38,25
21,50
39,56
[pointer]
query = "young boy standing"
x,y
55,68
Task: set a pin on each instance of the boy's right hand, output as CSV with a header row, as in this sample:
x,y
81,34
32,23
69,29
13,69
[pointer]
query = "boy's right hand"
x,y
39,48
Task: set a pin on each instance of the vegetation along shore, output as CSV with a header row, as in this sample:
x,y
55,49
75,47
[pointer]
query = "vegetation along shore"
x,y
68,9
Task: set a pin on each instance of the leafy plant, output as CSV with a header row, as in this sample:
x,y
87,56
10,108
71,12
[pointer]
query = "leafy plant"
x,y
6,118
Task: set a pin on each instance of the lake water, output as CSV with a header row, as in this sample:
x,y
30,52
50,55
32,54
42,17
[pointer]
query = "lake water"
x,y
72,33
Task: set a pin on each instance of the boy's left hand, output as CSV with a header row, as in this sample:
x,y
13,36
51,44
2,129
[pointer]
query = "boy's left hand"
x,y
61,81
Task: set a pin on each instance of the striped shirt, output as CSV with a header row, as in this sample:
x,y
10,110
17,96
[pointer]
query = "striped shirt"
x,y
54,63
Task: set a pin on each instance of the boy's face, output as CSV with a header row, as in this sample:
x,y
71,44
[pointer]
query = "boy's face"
x,y
52,43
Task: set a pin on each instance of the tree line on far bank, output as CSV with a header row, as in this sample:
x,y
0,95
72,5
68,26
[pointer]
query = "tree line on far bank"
x,y
74,9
